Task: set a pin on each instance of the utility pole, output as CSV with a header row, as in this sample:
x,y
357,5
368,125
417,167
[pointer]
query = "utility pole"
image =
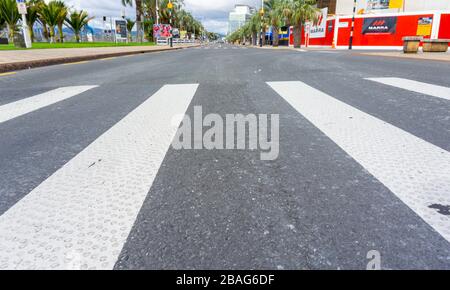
x,y
262,24
170,7
355,3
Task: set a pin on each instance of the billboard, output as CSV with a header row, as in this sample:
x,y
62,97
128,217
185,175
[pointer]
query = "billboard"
x,y
162,31
175,33
424,26
319,30
121,30
384,4
380,25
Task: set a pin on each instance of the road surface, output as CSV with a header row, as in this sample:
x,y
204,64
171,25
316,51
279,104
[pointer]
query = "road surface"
x,y
88,178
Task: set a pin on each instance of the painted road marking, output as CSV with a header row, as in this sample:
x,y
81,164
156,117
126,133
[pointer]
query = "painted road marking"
x,y
109,58
416,171
7,74
81,216
25,106
78,62
415,86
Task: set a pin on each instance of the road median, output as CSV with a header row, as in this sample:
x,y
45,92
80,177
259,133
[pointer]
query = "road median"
x,y
25,59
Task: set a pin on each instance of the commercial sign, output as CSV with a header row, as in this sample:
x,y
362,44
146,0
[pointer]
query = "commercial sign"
x,y
384,4
21,6
343,24
175,33
283,33
121,30
380,25
162,31
319,30
424,26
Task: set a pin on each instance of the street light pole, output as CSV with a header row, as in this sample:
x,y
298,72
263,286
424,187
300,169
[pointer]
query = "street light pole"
x,y
350,45
157,12
170,6
262,23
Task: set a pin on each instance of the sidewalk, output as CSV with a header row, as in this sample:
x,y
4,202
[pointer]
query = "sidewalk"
x,y
23,59
439,56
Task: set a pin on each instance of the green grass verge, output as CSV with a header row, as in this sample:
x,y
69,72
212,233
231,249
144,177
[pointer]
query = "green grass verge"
x,y
41,45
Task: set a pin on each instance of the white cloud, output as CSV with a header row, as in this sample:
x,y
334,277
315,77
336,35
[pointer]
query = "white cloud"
x,y
212,13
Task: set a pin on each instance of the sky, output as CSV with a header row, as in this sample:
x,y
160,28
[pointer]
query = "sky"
x,y
212,13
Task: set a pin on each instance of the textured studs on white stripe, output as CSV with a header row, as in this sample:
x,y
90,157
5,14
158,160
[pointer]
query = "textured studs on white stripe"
x,y
80,217
25,106
415,86
416,171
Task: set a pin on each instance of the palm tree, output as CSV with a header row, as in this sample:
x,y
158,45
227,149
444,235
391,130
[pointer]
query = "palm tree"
x,y
10,15
254,24
273,8
77,20
50,13
32,17
165,12
149,11
302,11
139,14
2,21
39,4
149,7
130,25
62,15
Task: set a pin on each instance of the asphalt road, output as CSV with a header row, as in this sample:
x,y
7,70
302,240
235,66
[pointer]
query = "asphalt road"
x,y
319,205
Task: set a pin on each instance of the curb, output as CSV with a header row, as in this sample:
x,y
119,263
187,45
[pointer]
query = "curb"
x,y
8,67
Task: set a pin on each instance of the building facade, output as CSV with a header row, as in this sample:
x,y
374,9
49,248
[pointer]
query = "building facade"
x,y
239,16
345,7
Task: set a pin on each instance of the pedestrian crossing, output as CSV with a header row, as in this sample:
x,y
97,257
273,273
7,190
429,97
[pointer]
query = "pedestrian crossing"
x,y
81,216
416,171
224,47
415,86
24,106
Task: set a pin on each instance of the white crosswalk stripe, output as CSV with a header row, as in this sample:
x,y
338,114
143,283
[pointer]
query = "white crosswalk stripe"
x,y
25,106
415,86
81,216
416,171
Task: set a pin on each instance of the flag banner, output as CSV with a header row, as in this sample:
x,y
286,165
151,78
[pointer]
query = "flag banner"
x,y
319,30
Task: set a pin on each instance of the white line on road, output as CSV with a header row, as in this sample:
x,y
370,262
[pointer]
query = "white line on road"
x,y
81,216
415,86
25,106
416,171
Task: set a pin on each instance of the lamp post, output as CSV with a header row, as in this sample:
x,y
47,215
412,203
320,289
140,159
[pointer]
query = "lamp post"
x,y
350,45
21,6
262,23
